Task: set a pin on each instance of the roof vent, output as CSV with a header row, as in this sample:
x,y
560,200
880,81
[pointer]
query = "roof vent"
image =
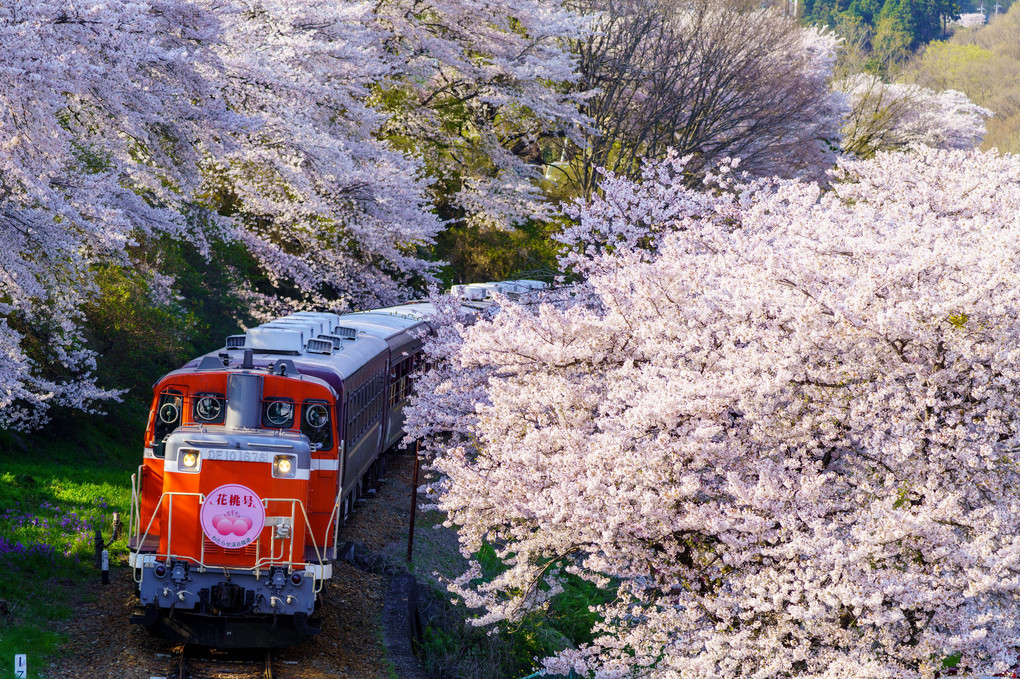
x,y
314,324
328,320
318,346
338,342
478,292
265,338
474,292
304,332
236,341
532,285
308,328
345,333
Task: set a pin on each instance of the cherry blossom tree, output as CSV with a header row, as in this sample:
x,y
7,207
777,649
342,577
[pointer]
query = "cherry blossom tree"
x,y
242,120
711,78
100,134
780,423
321,202
893,116
971,20
475,86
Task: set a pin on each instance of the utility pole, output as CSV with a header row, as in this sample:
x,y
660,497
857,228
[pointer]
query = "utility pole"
x,y
414,500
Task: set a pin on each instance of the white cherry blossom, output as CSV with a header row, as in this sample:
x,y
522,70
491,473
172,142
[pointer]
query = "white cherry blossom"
x,y
780,422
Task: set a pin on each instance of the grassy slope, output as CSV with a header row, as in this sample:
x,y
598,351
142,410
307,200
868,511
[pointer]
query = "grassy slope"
x,y
55,489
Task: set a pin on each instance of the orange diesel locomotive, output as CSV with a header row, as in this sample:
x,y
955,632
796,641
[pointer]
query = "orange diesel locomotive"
x,y
253,458
254,455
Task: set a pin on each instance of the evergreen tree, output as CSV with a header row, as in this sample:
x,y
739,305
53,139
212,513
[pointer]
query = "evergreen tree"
x,y
897,25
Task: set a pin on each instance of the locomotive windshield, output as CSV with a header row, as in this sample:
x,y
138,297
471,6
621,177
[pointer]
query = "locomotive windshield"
x,y
315,424
278,414
168,417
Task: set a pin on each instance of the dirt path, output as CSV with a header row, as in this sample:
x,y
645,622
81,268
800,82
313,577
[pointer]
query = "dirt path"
x,y
102,644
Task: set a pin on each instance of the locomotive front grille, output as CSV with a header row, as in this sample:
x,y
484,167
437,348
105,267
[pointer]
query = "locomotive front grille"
x,y
212,548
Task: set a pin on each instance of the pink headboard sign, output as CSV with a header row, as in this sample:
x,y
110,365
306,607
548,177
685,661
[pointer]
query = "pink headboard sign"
x,y
232,516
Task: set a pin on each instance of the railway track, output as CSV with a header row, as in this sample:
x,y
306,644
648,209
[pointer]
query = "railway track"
x,y
196,663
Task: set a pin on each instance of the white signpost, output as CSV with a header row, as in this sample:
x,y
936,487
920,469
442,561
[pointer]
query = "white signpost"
x,y
20,666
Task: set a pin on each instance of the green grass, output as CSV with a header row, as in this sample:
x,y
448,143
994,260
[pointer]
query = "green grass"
x,y
54,491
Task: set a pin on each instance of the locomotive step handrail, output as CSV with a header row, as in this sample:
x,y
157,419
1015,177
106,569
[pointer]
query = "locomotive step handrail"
x,y
318,582
136,509
169,528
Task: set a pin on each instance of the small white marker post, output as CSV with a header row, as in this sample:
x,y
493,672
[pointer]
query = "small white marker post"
x,y
21,666
106,567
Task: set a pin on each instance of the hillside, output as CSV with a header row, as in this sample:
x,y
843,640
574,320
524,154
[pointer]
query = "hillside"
x,y
984,64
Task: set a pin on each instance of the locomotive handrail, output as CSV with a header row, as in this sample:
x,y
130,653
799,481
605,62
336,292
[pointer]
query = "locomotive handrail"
x,y
170,524
318,582
259,561
138,497
335,515
136,509
169,528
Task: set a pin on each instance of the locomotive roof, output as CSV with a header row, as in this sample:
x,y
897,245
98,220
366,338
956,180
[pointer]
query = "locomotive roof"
x,y
412,310
381,325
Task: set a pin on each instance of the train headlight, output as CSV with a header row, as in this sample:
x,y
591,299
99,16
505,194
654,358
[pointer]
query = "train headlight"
x,y
284,467
190,460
